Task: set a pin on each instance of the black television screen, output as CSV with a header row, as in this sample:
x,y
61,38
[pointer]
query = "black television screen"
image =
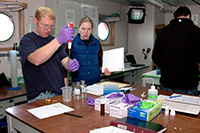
x,y
136,15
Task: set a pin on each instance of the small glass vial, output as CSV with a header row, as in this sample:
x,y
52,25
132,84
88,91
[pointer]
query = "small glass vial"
x,y
77,91
84,89
102,107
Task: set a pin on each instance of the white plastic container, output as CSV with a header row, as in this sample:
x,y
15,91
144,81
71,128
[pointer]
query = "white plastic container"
x,y
153,94
166,110
66,93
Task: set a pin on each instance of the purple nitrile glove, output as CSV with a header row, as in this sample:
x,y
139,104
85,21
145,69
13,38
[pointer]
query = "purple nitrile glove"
x,y
125,99
73,65
66,34
90,101
115,95
130,99
133,98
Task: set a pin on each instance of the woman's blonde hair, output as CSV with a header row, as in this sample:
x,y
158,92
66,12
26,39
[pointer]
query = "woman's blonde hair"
x,y
45,11
85,19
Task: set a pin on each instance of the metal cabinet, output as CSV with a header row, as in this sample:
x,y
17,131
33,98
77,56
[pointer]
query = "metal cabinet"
x,y
9,103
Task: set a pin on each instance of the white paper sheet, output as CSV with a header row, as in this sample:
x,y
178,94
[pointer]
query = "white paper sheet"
x,y
113,60
110,129
50,110
70,16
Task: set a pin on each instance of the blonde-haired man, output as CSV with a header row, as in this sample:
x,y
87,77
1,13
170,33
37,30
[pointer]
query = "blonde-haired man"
x,y
43,56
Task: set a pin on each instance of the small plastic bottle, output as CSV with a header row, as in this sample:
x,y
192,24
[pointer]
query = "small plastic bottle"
x,y
173,112
166,110
77,91
84,89
153,93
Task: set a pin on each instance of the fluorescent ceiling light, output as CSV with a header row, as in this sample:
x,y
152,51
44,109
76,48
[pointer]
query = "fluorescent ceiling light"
x,y
163,6
155,2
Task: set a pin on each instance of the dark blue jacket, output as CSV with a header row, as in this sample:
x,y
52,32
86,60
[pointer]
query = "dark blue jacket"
x,y
87,57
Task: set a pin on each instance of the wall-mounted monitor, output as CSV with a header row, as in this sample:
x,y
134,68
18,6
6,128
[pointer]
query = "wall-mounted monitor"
x,y
136,15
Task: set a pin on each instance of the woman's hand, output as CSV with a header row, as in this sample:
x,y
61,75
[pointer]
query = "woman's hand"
x,y
107,72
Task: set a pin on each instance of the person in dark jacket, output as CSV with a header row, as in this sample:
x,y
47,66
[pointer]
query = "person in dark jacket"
x,y
88,51
176,52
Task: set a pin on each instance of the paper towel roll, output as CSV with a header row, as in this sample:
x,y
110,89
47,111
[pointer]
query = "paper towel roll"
x,y
13,60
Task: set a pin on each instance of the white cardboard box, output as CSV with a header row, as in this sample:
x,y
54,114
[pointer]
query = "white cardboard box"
x,y
119,109
99,100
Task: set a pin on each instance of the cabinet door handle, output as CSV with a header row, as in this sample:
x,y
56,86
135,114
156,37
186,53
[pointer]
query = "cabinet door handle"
x,y
11,100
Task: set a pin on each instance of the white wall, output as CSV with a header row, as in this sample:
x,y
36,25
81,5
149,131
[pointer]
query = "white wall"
x,y
32,6
139,35
4,61
107,8
142,36
104,8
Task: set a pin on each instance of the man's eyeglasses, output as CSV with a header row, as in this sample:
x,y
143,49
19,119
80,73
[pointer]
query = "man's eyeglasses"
x,y
45,26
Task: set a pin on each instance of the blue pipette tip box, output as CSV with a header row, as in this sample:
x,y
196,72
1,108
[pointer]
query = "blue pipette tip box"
x,y
110,89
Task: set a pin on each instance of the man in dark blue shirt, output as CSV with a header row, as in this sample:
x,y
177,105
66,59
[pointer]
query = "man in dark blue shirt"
x,y
43,56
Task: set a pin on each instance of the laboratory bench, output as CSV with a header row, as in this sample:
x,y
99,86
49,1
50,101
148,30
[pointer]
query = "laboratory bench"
x,y
152,77
19,119
130,75
9,98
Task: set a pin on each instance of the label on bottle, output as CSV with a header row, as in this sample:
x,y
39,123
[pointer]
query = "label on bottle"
x,y
77,91
152,97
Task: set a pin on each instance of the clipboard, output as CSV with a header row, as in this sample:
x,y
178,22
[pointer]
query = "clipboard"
x,y
113,60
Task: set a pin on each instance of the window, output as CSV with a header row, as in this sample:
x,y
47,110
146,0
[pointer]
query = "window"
x,y
109,41
103,31
7,27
